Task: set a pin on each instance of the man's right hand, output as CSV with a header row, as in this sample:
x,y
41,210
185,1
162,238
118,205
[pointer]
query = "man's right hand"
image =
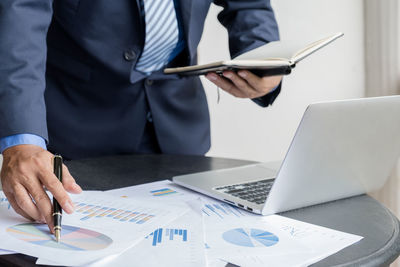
x,y
26,172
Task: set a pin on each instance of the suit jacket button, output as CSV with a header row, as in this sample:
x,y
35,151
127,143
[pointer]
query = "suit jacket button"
x,y
129,55
149,82
149,117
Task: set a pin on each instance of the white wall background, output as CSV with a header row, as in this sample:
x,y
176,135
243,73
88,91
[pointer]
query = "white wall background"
x,y
241,129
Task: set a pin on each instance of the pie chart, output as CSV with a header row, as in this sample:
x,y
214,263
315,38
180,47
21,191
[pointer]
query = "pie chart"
x,y
72,238
249,237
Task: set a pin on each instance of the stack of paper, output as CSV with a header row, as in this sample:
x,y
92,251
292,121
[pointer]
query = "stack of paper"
x,y
162,224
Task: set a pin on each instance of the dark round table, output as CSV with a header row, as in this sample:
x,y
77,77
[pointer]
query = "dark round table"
x,y
360,215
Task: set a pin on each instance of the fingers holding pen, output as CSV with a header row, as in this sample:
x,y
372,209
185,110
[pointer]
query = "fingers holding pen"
x,y
69,182
50,181
42,202
25,204
26,172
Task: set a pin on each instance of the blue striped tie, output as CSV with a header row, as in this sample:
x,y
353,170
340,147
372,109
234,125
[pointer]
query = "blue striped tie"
x,y
162,35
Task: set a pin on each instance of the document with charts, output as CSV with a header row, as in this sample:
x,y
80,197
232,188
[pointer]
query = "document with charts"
x,y
316,242
230,234
159,247
102,225
220,218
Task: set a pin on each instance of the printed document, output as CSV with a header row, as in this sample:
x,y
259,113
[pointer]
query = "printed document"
x,y
102,225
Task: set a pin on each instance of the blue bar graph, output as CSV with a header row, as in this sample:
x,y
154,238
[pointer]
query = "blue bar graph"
x,y
169,234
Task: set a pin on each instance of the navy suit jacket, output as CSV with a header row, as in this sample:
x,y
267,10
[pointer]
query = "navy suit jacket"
x,y
67,73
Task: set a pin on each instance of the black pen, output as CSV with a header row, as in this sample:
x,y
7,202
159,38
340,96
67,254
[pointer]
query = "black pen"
x,y
57,210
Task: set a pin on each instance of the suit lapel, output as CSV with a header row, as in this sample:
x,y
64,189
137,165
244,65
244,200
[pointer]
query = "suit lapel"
x,y
186,11
141,21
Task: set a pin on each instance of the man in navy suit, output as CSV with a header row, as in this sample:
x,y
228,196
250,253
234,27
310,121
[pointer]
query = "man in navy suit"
x,y
84,78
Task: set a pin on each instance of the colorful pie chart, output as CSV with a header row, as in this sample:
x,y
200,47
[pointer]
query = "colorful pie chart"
x,y
72,238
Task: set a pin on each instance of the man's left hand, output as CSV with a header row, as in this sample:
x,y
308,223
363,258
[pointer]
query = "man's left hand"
x,y
244,84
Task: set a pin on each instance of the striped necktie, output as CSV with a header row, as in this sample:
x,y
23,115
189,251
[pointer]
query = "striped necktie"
x,y
162,35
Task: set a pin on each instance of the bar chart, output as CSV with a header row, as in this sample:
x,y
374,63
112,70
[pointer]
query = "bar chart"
x,y
91,212
162,192
167,234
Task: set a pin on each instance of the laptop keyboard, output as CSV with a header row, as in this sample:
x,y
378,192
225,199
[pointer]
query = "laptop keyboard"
x,y
255,192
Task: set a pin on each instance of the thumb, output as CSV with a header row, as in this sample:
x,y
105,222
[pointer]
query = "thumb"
x,y
69,182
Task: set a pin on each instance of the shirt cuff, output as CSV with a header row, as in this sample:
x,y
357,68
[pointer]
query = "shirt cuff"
x,y
21,139
275,88
269,98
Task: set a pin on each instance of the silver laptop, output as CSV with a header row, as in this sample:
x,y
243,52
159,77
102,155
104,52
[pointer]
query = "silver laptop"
x,y
340,149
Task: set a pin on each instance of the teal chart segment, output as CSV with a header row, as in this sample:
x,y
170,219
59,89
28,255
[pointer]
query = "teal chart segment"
x,y
72,238
249,237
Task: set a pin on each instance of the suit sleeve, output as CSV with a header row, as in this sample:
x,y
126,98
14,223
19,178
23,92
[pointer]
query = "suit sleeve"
x,y
250,24
23,30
